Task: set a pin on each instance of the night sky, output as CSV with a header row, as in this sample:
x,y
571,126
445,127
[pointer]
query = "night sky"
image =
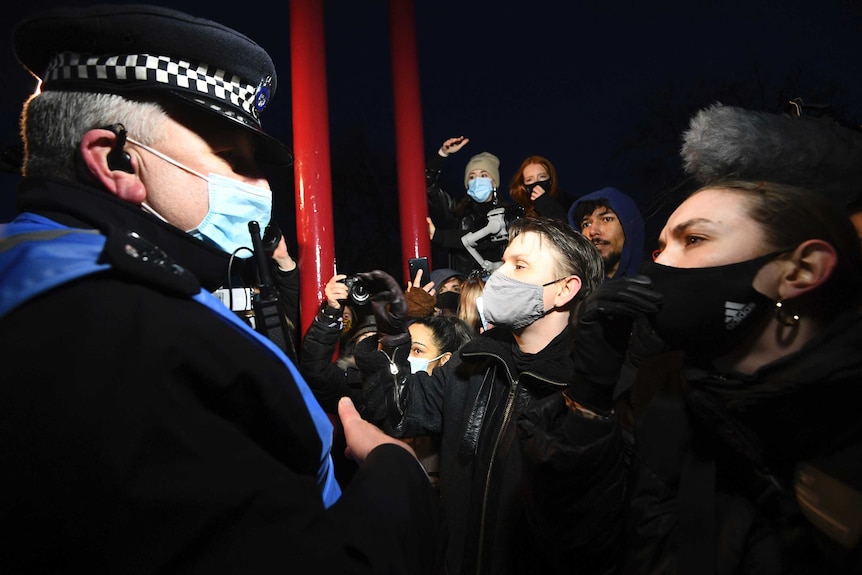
x,y
602,89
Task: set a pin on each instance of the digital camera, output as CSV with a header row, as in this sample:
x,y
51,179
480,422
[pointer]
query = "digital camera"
x,y
356,290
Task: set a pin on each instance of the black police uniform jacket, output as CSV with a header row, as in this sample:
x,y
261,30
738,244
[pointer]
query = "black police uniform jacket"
x,y
470,404
141,433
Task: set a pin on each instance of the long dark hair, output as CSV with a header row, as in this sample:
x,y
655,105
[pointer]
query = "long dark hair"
x,y
449,332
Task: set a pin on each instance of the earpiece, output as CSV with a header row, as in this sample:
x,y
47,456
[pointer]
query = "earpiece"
x,y
118,158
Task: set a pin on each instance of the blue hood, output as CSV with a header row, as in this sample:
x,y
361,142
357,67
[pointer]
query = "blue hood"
x,y
633,226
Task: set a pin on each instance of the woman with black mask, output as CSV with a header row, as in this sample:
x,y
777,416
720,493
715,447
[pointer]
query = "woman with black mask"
x,y
745,443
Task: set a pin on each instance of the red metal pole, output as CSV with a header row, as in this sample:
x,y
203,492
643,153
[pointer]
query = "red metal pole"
x,y
312,175
410,155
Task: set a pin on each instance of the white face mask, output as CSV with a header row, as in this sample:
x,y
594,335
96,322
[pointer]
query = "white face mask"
x,y
421,363
232,205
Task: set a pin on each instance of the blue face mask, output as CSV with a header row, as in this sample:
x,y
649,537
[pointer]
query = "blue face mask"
x,y
480,189
232,205
418,364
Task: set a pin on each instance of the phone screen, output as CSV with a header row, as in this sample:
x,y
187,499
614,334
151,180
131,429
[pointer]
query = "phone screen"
x,y
481,307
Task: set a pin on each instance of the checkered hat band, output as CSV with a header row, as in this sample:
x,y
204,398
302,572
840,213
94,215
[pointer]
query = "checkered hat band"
x,y
147,69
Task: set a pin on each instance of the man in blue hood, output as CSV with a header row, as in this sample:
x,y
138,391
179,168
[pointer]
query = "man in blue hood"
x,y
613,222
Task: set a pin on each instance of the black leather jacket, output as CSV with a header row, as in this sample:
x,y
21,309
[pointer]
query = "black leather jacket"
x,y
327,380
471,404
454,218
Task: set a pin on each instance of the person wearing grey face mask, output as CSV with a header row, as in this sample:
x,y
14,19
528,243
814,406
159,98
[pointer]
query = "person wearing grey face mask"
x,y
470,403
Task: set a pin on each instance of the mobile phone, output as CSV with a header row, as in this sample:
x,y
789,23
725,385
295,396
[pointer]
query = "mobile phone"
x,y
417,264
481,307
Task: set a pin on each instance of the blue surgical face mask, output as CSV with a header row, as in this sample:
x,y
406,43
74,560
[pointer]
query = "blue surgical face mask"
x,y
421,363
232,205
480,189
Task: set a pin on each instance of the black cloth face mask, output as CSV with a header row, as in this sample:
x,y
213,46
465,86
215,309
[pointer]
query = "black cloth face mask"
x,y
707,310
448,300
546,185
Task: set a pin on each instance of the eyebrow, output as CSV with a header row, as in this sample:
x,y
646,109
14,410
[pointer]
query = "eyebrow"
x,y
522,255
681,227
588,217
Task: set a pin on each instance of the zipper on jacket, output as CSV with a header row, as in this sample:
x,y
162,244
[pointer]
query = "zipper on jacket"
x,y
507,418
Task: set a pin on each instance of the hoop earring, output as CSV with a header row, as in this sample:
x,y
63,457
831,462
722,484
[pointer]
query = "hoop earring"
x,y
785,316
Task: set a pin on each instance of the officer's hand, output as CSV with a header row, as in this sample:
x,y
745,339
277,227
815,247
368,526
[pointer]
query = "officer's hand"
x,y
360,435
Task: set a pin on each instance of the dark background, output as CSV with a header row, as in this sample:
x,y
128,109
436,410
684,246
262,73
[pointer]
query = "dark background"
x,y
602,89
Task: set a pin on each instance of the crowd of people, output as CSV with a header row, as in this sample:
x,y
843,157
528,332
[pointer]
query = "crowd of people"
x,y
550,400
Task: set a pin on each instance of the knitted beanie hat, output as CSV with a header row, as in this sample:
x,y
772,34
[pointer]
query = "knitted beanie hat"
x,y
484,161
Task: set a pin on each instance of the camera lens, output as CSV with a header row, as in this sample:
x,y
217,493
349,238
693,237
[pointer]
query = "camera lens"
x,y
358,293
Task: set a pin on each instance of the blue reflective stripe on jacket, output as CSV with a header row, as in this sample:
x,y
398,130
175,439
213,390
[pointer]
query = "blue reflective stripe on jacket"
x,y
38,254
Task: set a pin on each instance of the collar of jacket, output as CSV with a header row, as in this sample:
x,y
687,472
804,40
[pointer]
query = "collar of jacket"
x,y
793,409
550,370
82,206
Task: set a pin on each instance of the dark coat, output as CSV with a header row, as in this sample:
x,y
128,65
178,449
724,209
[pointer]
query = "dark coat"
x,y
140,432
731,474
470,404
732,470
548,206
328,381
454,218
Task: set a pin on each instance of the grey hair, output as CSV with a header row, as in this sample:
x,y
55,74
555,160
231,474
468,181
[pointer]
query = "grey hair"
x,y
53,123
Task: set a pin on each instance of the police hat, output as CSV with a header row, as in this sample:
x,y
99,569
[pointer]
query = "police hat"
x,y
135,48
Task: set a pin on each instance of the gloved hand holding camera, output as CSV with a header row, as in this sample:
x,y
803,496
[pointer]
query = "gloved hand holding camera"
x,y
602,338
389,307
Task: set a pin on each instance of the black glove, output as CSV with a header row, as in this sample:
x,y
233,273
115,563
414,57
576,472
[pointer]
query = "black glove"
x,y
602,337
644,343
389,307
